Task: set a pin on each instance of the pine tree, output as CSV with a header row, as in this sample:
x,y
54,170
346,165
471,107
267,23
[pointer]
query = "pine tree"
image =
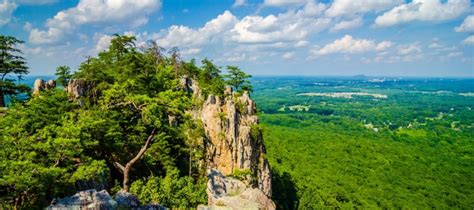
x,y
11,62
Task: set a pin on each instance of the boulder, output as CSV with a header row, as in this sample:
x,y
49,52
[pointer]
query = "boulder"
x,y
41,85
127,200
229,193
88,199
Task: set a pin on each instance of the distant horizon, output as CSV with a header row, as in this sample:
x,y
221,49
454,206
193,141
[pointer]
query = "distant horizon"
x,y
327,76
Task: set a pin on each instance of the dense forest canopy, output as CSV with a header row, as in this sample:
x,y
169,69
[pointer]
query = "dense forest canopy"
x,y
130,131
413,149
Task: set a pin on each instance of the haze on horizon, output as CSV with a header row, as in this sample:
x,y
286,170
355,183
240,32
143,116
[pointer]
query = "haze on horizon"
x,y
428,38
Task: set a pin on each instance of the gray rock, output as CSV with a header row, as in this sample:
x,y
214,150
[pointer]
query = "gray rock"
x,y
229,193
88,199
127,200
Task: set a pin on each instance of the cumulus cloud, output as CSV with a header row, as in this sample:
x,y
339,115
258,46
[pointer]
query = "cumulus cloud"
x,y
383,45
469,40
349,45
347,24
467,25
6,11
183,36
103,43
289,26
351,7
424,10
94,12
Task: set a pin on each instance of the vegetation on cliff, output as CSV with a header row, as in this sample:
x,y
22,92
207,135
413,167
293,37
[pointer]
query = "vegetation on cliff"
x,y
130,131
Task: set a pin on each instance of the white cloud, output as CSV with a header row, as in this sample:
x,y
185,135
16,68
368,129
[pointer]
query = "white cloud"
x,y
347,44
29,51
183,36
288,55
435,45
351,7
289,26
467,25
103,43
302,43
28,26
94,12
383,45
280,3
409,49
239,3
469,40
6,11
347,24
424,10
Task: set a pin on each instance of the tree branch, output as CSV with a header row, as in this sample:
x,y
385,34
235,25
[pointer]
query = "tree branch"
x,y
143,149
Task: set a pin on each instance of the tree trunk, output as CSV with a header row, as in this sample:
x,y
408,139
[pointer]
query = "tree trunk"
x,y
2,99
126,170
126,182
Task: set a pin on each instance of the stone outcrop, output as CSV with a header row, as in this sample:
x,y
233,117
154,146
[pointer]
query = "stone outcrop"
x,y
93,200
41,85
230,193
88,199
234,144
235,141
80,88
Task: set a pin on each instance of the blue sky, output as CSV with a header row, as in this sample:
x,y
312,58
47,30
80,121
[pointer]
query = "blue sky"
x,y
263,37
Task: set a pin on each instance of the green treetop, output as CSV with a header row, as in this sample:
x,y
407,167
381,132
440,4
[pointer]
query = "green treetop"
x,y
238,79
64,75
11,63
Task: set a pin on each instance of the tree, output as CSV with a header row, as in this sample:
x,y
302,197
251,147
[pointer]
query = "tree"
x,y
11,62
64,75
238,79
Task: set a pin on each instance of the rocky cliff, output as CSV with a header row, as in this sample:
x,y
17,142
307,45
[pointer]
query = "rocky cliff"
x,y
234,146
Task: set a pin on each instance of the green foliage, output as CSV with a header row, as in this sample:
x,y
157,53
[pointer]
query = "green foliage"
x,y
241,174
53,146
63,74
420,155
11,64
96,170
210,79
238,79
172,190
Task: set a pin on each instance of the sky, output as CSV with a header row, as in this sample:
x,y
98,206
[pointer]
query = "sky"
x,y
433,38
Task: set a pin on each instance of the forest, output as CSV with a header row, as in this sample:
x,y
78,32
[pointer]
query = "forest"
x,y
332,142
413,149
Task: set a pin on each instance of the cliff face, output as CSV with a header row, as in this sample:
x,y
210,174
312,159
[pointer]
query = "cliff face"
x,y
235,142
234,146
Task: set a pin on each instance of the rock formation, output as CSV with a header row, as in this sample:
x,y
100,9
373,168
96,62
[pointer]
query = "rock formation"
x,y
232,193
234,146
80,88
93,200
88,199
41,85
